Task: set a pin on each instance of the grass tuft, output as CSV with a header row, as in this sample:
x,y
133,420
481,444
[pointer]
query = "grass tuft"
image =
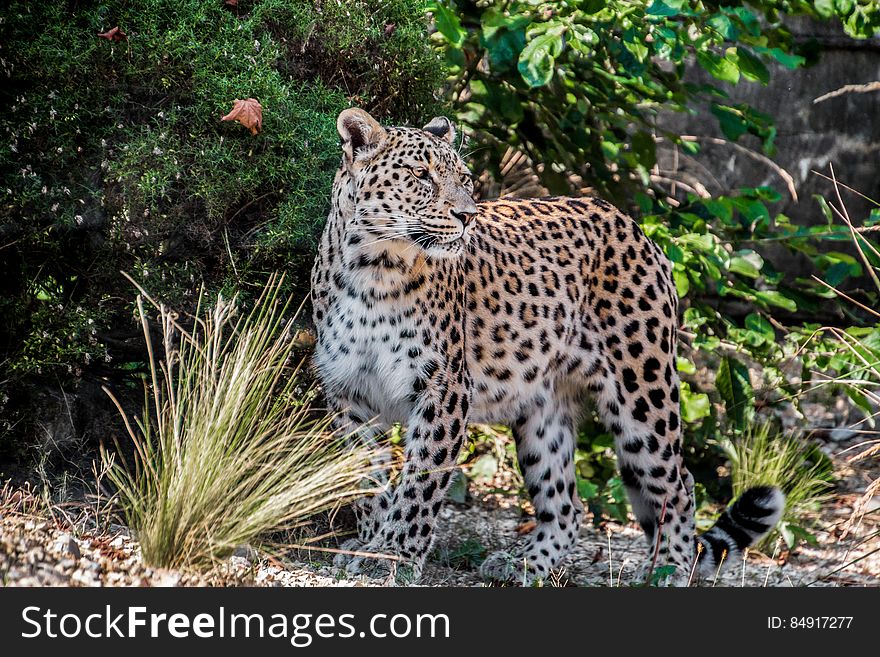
x,y
226,450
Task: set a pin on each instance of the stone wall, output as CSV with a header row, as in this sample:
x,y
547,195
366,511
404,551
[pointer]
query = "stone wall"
x,y
843,131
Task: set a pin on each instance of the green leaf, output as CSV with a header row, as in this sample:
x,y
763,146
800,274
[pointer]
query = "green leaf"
x,y
746,263
825,8
458,487
661,573
718,67
860,400
685,366
721,208
699,241
592,6
787,534
751,67
826,209
682,282
757,323
448,24
724,26
775,298
538,57
645,148
694,405
734,386
586,489
786,59
661,8
837,274
494,21
730,120
748,20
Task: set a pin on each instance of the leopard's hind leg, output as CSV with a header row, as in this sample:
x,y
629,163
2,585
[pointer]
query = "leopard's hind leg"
x,y
544,438
638,400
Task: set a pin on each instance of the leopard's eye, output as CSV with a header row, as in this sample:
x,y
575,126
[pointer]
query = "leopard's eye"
x,y
421,173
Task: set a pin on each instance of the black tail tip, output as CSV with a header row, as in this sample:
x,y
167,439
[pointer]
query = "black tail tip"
x,y
743,524
761,504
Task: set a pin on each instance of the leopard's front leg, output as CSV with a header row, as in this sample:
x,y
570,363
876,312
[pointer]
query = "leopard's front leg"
x,y
352,420
436,429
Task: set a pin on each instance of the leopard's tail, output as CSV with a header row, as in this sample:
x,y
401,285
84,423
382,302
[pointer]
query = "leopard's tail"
x,y
742,524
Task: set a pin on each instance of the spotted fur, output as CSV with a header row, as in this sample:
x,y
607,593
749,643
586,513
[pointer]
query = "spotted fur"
x,y
435,311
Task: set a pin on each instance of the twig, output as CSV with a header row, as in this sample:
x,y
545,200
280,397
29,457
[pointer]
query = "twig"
x,y
660,523
773,561
610,562
718,570
696,561
855,235
355,553
847,297
847,565
848,89
849,189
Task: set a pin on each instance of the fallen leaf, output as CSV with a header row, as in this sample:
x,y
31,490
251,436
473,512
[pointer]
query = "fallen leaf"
x,y
247,112
304,339
113,35
231,3
389,29
526,527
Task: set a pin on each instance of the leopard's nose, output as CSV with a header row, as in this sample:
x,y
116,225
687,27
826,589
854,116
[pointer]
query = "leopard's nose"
x,y
466,217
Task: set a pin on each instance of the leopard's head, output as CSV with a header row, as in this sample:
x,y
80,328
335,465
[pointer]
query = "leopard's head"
x,y
410,188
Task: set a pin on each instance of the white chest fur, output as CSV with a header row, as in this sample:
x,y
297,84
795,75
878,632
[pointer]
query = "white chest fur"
x,y
371,354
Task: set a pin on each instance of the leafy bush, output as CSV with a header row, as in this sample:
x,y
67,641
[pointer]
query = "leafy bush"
x,y
226,450
114,158
579,86
580,89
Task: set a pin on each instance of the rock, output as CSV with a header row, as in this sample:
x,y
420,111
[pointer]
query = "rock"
x,y
236,563
246,552
166,579
840,434
66,544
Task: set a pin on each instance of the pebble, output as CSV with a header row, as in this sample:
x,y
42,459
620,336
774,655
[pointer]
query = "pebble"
x,y
66,544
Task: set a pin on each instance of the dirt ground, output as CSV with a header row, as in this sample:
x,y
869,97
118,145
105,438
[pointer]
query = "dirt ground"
x,y
66,548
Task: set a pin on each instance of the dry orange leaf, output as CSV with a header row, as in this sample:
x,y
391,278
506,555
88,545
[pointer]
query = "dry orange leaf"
x,y
526,527
247,112
115,34
304,339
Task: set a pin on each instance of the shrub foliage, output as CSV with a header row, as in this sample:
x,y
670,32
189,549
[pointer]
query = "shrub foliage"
x,y
114,156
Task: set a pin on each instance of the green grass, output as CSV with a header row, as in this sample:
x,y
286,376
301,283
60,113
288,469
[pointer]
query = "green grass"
x,y
226,451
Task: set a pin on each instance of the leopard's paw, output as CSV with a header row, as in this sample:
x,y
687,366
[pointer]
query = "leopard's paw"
x,y
349,547
385,565
508,566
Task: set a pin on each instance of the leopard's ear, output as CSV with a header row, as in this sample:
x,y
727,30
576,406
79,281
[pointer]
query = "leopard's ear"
x,y
441,127
360,133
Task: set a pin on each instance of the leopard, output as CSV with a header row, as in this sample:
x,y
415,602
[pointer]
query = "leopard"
x,y
434,311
